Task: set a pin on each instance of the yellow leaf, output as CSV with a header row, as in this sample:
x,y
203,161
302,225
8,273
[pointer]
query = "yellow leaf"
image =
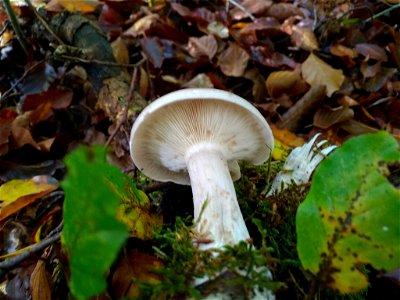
x,y
84,6
120,51
17,193
284,142
138,217
317,72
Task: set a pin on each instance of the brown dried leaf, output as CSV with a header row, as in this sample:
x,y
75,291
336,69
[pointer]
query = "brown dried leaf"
x,y
268,57
141,25
205,45
233,61
199,81
253,7
282,11
259,89
134,267
120,51
372,51
290,83
317,72
40,285
325,118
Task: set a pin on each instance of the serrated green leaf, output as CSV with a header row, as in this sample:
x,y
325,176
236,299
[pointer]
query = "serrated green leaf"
x,y
351,214
92,234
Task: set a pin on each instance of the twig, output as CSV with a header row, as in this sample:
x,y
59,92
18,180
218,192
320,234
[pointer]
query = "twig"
x,y
157,187
128,102
6,23
44,23
242,8
383,12
12,262
14,22
5,94
296,114
99,62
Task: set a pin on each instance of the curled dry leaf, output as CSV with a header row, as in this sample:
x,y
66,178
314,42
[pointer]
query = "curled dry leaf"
x,y
204,46
282,11
39,283
141,25
317,72
252,7
372,51
268,57
289,83
120,51
301,33
199,81
325,118
233,61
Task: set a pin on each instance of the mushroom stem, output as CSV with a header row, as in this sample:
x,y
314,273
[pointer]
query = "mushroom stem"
x,y
216,210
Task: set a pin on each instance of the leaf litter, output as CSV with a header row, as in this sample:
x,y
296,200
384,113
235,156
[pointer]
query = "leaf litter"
x,y
310,67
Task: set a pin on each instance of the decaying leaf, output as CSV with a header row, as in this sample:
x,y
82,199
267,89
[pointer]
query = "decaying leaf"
x,y
317,72
287,83
205,45
325,118
135,268
17,194
136,214
350,216
40,285
84,6
233,61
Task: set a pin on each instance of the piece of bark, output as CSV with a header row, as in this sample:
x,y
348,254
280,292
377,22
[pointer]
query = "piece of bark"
x,y
295,116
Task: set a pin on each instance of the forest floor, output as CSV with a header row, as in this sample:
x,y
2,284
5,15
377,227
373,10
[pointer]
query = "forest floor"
x,y
76,73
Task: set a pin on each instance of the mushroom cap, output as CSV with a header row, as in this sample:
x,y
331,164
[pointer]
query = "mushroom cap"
x,y
169,126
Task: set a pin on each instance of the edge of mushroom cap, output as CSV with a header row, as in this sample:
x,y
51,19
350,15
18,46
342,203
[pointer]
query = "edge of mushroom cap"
x,y
201,94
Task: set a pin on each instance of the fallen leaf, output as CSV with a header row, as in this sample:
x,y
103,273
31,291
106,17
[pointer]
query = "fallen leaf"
x,y
120,51
317,72
371,51
288,83
84,6
253,7
135,267
205,45
325,118
17,194
233,61
39,283
267,56
282,11
199,81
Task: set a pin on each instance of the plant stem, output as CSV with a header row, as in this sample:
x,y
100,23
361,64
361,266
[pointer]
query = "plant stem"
x,y
14,22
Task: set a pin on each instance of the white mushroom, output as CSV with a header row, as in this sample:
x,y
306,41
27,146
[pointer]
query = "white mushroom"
x,y
196,136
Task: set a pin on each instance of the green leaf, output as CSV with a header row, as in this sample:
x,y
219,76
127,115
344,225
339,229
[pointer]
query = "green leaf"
x,y
351,215
92,234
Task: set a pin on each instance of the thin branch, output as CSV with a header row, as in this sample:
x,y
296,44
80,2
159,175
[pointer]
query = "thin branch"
x,y
44,23
242,8
12,262
383,12
99,62
6,93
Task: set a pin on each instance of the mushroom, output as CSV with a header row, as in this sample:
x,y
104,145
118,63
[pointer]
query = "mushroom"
x,y
196,136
